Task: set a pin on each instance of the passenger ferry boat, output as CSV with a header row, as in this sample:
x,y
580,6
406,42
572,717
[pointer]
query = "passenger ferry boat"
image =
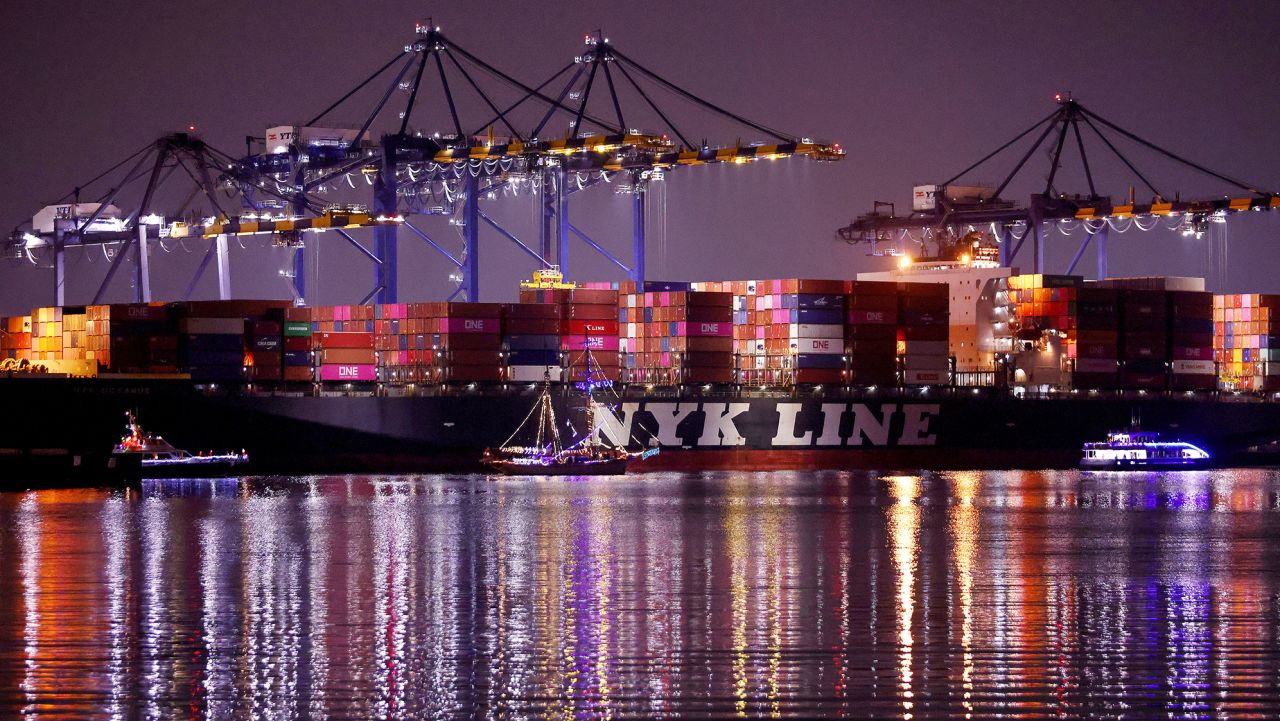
x,y
1137,450
160,459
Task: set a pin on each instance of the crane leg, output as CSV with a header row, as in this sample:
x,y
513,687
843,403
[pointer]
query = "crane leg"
x,y
471,232
1101,240
142,289
224,268
637,237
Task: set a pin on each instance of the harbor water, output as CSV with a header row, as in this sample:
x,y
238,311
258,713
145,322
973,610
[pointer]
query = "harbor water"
x,y
728,595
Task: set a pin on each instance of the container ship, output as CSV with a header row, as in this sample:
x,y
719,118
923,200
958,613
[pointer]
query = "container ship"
x,y
955,367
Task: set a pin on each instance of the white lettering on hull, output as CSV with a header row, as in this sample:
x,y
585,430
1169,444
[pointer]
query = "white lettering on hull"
x,y
719,429
915,425
788,414
723,424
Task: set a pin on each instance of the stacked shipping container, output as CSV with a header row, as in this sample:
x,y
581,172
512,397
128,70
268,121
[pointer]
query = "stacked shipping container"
x,y
1191,341
132,338
15,342
676,336
789,331
531,341
1096,348
923,332
1246,343
588,323
296,345
467,339
871,332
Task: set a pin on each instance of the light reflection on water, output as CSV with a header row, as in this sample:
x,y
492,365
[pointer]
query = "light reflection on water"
x,y
932,595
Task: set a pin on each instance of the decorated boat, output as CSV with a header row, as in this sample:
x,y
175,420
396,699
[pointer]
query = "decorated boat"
x,y
1138,450
547,455
160,459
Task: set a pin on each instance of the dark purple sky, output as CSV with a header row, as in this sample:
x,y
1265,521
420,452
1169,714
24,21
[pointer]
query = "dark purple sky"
x,y
914,92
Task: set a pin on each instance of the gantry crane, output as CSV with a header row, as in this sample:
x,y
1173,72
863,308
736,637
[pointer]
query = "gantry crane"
x,y
950,211
289,186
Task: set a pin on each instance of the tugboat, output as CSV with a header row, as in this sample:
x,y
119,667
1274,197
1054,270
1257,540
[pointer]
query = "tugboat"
x,y
1142,451
547,456
161,460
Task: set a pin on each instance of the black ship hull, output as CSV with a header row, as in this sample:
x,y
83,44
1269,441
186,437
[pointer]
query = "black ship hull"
x,y
293,433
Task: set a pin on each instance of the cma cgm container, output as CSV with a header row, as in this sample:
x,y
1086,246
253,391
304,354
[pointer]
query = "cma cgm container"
x,y
213,344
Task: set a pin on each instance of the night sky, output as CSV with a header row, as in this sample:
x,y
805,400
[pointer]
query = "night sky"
x,y
913,91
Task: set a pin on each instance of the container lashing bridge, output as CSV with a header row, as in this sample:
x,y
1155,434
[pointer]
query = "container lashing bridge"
x,y
286,189
950,211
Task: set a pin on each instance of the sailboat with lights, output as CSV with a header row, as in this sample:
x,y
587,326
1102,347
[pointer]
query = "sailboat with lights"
x,y
548,455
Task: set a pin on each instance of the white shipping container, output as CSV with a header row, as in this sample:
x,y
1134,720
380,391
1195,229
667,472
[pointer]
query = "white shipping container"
x,y
1193,367
810,330
825,346
212,326
922,197
518,374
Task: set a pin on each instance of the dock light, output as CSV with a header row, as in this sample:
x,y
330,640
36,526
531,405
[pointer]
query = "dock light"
x,y
904,262
965,259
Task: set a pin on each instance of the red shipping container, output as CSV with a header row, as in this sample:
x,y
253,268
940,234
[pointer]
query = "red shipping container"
x,y
343,340
542,311
591,327
347,356
297,343
819,375
709,314
591,312
473,310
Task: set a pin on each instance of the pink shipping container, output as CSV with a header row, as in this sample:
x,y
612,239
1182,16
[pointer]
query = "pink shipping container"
x,y
593,342
720,330
471,325
348,373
